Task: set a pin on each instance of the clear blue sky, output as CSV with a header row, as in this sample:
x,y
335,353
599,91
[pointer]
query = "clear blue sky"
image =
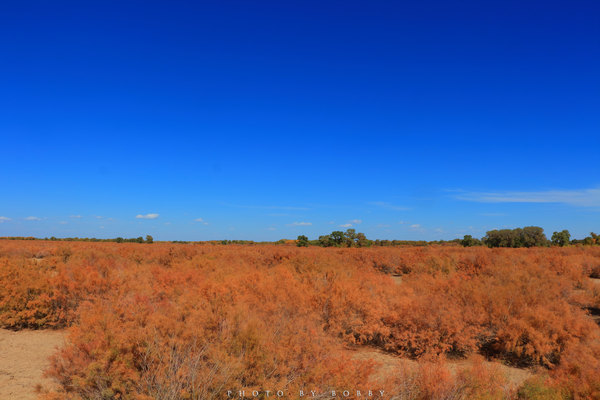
x,y
266,120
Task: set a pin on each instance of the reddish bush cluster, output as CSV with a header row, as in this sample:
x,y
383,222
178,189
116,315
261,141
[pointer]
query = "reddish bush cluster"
x,y
192,321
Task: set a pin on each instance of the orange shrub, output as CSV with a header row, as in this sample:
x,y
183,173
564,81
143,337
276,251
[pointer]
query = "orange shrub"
x,y
189,321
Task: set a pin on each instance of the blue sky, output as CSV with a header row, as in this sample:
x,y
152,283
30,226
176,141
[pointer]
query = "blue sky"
x,y
267,120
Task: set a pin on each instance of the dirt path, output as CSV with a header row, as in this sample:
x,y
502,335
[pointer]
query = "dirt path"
x,y
23,358
389,364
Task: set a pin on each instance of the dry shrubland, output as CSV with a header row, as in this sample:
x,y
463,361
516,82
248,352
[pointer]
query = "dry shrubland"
x,y
191,321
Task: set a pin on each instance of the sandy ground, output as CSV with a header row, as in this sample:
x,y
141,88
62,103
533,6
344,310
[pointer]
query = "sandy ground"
x,y
389,363
23,358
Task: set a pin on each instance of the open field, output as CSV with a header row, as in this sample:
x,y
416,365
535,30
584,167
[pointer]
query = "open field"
x,y
191,321
23,358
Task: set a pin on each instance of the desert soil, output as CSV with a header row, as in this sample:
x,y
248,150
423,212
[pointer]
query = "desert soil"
x,y
389,365
23,358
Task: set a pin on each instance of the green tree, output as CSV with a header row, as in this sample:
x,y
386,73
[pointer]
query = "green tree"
x,y
520,237
337,238
362,241
469,241
149,239
588,241
531,236
302,241
561,238
325,241
350,237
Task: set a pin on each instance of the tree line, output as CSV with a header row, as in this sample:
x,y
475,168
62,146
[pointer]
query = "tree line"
x,y
529,236
140,239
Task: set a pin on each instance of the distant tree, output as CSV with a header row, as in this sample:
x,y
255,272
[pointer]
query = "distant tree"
x,y
149,239
362,241
119,240
302,241
520,237
499,238
469,241
531,236
337,238
561,238
350,237
140,240
595,238
325,241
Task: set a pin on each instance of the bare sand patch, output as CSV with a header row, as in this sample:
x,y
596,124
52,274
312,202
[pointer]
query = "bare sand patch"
x,y
390,364
23,359
397,279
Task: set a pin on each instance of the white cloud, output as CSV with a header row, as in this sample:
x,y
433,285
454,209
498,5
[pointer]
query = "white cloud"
x,y
349,224
577,197
63,222
271,228
147,216
301,224
415,226
4,219
99,216
75,216
32,218
203,222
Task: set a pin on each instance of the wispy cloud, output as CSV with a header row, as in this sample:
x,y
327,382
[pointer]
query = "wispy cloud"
x,y
63,222
300,224
389,206
351,223
271,228
147,216
577,197
4,219
415,226
203,222
76,216
32,218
